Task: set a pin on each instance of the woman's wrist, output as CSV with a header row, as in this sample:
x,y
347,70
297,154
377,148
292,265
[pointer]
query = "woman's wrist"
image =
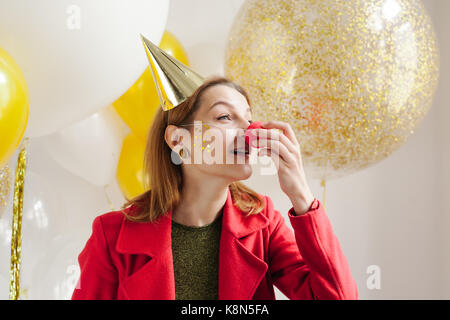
x,y
302,203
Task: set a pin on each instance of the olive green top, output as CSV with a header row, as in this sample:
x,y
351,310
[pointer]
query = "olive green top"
x,y
196,260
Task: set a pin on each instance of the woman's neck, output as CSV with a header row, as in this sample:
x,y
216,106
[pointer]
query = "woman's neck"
x,y
200,203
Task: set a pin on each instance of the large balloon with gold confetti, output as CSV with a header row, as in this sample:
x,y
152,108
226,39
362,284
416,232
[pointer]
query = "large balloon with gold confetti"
x,y
353,78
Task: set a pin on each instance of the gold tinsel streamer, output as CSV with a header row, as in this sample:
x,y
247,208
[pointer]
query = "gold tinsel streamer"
x,y
5,187
16,237
324,185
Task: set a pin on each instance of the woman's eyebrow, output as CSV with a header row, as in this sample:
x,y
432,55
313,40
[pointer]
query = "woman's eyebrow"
x,y
224,102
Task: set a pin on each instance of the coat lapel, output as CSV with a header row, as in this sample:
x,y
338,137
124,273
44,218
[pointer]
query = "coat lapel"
x,y
240,269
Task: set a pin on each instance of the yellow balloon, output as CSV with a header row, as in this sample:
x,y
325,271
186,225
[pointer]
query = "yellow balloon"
x,y
14,106
129,169
353,78
139,104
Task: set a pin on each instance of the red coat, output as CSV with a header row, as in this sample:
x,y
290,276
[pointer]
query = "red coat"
x,y
131,260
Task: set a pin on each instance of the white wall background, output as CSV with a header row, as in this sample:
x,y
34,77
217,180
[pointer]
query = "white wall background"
x,y
440,16
394,214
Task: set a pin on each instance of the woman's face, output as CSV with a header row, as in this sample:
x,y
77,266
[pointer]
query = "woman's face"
x,y
215,140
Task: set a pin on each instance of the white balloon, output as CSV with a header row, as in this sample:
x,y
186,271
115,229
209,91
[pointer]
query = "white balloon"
x,y
56,274
57,205
4,287
205,49
42,220
81,201
5,257
90,148
58,210
78,56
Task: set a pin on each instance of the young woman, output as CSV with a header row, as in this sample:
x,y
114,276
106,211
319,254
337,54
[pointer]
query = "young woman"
x,y
200,233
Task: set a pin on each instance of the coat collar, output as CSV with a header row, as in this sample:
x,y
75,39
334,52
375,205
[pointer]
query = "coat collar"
x,y
154,238
241,261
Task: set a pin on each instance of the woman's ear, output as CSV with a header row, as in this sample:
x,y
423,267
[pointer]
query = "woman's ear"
x,y
176,136
171,136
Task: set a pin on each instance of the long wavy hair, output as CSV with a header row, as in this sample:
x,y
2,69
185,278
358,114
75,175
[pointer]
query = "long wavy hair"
x,y
163,179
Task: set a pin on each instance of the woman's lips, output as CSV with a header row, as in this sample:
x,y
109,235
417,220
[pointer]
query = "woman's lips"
x,y
240,152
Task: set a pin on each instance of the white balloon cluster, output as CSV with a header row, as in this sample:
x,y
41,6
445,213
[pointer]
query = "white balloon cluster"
x,y
77,57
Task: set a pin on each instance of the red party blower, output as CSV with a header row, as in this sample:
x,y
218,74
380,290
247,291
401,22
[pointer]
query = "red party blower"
x,y
249,137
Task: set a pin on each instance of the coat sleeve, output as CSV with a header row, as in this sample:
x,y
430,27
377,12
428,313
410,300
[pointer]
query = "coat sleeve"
x,y
308,263
98,276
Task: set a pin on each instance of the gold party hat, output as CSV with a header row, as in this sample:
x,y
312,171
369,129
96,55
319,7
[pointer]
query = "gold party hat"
x,y
174,81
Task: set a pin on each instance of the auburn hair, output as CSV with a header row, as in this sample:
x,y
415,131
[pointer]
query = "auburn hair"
x,y
163,179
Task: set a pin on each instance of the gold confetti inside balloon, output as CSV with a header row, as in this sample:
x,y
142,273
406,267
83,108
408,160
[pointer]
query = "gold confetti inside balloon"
x,y
353,78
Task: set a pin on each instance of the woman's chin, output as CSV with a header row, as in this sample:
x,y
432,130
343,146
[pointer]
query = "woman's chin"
x,y
242,171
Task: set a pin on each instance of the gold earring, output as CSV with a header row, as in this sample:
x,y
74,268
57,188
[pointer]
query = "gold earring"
x,y
182,153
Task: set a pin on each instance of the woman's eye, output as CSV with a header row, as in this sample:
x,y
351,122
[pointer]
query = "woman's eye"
x,y
220,118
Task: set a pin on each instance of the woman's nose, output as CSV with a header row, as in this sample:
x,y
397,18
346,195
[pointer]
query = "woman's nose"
x,y
246,124
242,129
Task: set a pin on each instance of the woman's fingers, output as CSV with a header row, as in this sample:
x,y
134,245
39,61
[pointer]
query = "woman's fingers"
x,y
279,153
275,135
282,146
285,127
282,152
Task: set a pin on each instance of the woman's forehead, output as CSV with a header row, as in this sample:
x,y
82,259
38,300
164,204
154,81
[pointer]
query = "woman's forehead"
x,y
221,93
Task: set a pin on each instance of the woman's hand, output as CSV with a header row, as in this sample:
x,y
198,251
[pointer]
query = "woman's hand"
x,y
284,150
